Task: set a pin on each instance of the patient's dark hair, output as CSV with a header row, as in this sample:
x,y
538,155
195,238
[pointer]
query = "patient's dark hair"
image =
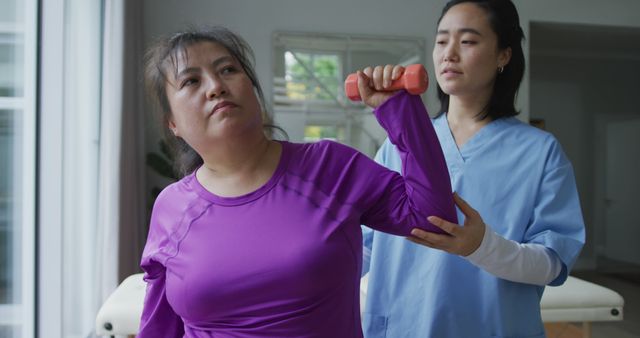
x,y
162,57
505,22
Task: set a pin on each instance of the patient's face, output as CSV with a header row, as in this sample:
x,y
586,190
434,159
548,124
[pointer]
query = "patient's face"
x,y
211,97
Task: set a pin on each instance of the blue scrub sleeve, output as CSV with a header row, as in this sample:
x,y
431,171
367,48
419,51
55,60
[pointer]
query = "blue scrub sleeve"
x,y
557,221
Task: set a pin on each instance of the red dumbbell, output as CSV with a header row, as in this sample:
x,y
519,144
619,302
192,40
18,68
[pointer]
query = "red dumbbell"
x,y
414,80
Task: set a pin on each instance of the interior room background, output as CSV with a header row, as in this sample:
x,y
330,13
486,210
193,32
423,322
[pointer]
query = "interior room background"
x,y
76,133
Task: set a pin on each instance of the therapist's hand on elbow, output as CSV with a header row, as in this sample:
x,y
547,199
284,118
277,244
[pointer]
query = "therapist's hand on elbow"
x,y
463,240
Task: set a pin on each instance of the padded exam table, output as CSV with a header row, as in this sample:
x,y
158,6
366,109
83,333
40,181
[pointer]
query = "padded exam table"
x,y
575,301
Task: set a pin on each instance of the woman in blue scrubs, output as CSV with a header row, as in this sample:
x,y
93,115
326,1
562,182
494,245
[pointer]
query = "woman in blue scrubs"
x,y
521,223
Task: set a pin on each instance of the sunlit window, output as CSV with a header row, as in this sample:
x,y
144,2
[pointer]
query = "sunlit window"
x,y
308,84
311,76
317,133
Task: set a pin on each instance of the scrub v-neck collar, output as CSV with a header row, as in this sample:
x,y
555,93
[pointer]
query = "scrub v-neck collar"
x,y
473,144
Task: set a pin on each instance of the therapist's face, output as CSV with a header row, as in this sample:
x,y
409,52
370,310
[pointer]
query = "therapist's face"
x,y
466,55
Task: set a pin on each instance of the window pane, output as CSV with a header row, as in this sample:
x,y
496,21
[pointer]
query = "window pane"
x,y
11,64
312,76
12,12
10,223
314,133
10,331
17,163
7,231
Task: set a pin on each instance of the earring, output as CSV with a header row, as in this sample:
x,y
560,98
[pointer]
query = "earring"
x,y
500,69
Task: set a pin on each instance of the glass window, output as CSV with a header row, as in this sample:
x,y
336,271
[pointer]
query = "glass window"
x,y
11,64
316,133
17,164
312,76
308,84
10,239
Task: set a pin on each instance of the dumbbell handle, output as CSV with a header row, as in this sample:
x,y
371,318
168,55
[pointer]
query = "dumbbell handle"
x,y
414,80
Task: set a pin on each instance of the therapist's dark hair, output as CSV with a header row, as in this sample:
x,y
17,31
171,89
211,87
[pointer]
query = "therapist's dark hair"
x,y
505,22
162,58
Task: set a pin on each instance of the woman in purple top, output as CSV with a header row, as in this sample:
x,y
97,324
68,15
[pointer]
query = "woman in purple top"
x,y
261,238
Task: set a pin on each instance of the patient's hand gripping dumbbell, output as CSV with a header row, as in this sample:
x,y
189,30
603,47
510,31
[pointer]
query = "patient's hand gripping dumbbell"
x,y
414,80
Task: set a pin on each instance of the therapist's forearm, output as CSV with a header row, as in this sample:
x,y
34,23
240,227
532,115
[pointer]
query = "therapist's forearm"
x,y
524,263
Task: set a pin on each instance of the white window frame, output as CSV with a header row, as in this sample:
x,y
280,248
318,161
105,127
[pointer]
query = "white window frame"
x,y
51,107
69,114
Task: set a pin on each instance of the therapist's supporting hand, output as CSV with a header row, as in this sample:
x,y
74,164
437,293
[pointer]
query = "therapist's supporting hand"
x,y
464,240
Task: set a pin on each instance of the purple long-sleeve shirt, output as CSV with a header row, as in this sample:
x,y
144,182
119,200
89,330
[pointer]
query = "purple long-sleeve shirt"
x,y
285,260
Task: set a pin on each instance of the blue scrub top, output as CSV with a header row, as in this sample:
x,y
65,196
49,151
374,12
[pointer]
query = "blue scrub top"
x,y
522,184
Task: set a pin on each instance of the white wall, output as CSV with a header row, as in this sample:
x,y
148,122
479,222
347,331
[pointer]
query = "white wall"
x,y
574,96
603,89
623,13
